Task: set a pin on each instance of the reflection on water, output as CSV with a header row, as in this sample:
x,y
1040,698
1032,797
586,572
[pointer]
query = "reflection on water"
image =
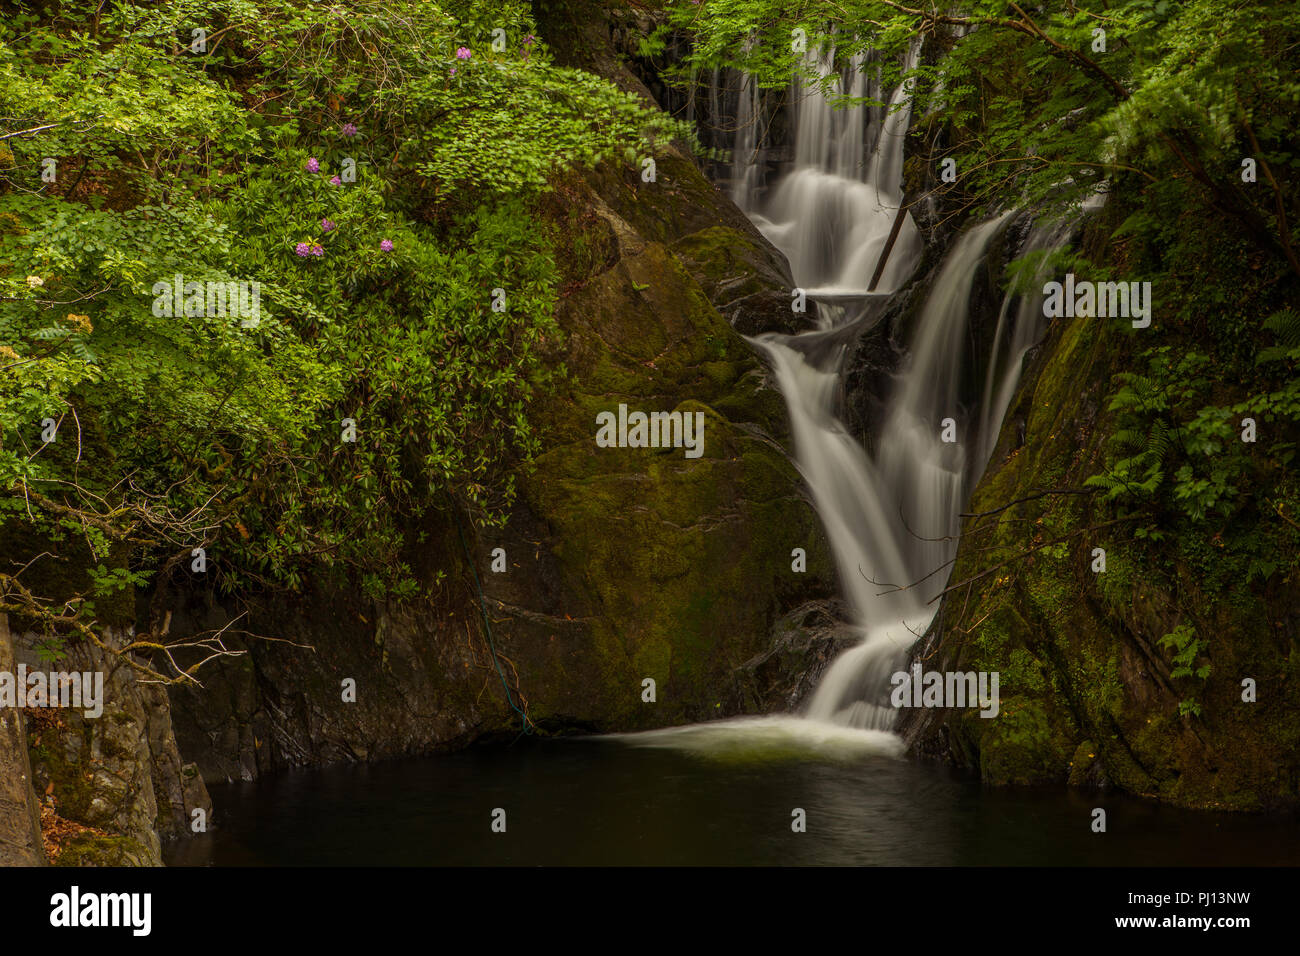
x,y
710,794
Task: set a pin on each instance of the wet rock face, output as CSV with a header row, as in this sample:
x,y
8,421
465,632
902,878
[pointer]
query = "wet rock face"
x,y
1088,696
119,773
618,564
415,674
20,831
743,276
784,676
672,568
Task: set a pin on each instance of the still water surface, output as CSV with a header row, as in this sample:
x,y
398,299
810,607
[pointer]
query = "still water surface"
x,y
708,795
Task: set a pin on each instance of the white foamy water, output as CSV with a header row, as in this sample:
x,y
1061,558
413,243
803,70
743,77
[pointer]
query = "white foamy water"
x,y
765,738
891,519
831,213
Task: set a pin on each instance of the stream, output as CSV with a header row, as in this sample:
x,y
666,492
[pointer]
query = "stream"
x,y
725,792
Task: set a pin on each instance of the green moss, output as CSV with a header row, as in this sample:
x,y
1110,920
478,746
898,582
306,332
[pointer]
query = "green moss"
x,y
69,774
1021,745
1082,668
686,558
88,849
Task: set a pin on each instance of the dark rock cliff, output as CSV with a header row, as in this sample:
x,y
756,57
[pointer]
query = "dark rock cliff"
x,y
20,824
1088,696
620,564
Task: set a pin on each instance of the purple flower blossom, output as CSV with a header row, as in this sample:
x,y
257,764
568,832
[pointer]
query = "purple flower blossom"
x,y
335,181
349,130
463,53
386,245
302,249
453,71
317,249
530,40
313,165
327,225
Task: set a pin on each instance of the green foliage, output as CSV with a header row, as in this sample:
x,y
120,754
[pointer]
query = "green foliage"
x,y
491,125
1025,95
1161,121
1187,648
176,430
1163,428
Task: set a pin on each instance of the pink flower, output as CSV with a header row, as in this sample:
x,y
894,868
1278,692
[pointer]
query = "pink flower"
x,y
335,181
327,225
386,245
313,166
453,71
349,130
463,53
302,249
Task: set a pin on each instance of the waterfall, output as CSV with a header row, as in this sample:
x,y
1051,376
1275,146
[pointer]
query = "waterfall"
x,y
832,212
749,161
1017,334
891,520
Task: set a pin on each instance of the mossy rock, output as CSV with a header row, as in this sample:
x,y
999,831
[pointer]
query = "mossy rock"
x,y
90,849
621,563
1080,651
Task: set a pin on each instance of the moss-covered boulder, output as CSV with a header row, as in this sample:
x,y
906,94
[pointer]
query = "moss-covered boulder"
x,y
664,566
617,564
1088,692
745,278
117,773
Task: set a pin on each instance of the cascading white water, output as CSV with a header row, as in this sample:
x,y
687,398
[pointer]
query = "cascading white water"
x,y
891,521
831,214
749,161
1015,335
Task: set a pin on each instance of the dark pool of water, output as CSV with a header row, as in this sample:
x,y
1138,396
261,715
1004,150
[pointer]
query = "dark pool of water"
x,y
603,802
